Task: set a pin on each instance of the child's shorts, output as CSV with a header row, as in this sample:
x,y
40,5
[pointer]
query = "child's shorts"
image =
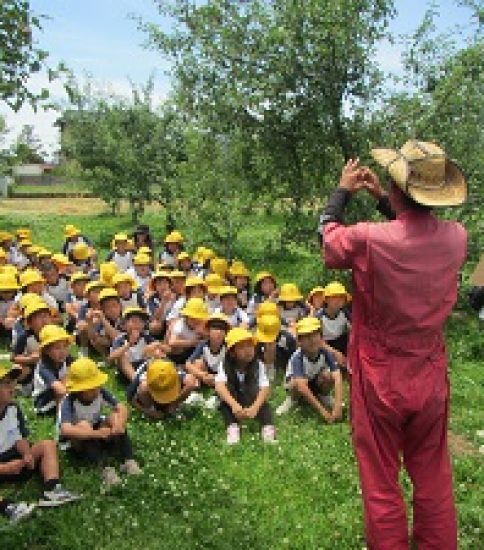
x,y
24,475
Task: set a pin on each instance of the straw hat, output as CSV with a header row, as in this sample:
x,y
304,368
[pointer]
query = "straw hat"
x,y
237,335
163,381
53,333
308,325
423,171
268,328
84,375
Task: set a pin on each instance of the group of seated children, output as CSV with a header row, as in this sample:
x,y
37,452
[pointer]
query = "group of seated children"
x,y
183,329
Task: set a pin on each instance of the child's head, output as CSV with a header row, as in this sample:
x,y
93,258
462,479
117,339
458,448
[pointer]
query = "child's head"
x,y
195,288
110,303
134,319
177,279
160,282
240,345
8,286
121,243
71,233
228,299
8,376
265,283
316,297
32,282
54,343
218,325
239,275
142,265
289,296
309,338
196,314
183,261
174,242
219,266
92,291
78,284
163,382
124,285
50,273
85,379
214,283
80,252
268,329
335,296
37,315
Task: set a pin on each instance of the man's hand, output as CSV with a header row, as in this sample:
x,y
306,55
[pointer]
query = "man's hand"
x,y
371,183
351,176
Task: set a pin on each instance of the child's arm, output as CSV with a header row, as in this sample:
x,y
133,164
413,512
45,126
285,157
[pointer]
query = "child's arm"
x,y
340,358
84,430
116,354
26,360
155,349
23,448
226,396
118,419
181,344
301,386
262,396
338,395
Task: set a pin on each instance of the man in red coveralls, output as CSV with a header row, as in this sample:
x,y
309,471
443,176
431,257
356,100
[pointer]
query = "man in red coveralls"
x,y
405,277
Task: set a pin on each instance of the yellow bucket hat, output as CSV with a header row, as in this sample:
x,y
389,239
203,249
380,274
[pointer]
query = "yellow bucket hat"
x,y
160,274
219,266
195,281
290,293
227,291
237,335
5,236
336,289
214,283
9,269
120,237
25,242
264,275
34,307
79,276
60,259
23,233
8,282
132,311
71,231
267,308
44,253
84,375
93,285
268,328
238,269
174,237
423,171
30,277
107,293
124,278
53,333
29,298
195,308
163,381
107,270
81,252
9,370
142,259
308,325
177,274
183,256
217,319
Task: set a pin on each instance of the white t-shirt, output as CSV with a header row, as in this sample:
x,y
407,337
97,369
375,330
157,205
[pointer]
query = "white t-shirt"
x,y
262,380
180,329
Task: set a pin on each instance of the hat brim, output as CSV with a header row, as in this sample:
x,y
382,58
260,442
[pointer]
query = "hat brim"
x,y
163,397
252,339
453,192
265,338
295,298
96,382
197,316
12,374
141,314
69,339
9,288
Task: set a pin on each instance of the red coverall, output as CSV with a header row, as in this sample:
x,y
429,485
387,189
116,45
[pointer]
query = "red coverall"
x,y
405,278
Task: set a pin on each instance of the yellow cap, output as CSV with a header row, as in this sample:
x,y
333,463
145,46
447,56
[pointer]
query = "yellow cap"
x,y
174,237
195,308
9,269
177,274
34,307
144,250
107,293
60,259
9,370
107,270
219,265
214,282
84,375
238,269
53,333
5,236
142,259
119,237
23,233
81,252
34,249
336,289
28,298
8,282
237,335
71,231
219,318
79,276
194,281
93,285
267,308
131,311
228,291
26,242
264,275
316,290
268,328
30,277
163,381
308,325
183,256
290,293
124,278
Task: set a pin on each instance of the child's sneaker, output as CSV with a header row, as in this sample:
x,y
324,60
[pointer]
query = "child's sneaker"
x,y
269,434
233,434
57,496
212,402
131,468
17,511
195,399
110,477
327,401
285,407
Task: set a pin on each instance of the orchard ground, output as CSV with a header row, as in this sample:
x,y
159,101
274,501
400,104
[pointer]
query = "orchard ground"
x,y
196,492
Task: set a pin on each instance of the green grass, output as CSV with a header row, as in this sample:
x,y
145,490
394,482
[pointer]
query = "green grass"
x,y
198,493
55,188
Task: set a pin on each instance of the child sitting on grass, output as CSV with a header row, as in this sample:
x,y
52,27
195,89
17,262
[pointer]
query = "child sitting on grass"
x,y
159,388
315,301
128,292
265,288
229,307
312,373
75,299
8,290
51,370
19,459
87,311
291,305
159,302
132,347
120,255
243,387
93,422
104,324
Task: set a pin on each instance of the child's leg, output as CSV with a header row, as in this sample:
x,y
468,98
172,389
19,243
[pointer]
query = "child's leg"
x,y
126,368
227,414
264,416
120,446
45,455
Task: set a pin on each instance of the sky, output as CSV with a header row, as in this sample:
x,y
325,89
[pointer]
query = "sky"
x,y
99,38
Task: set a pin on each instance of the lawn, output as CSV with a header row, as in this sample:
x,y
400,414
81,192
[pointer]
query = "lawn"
x,y
196,492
